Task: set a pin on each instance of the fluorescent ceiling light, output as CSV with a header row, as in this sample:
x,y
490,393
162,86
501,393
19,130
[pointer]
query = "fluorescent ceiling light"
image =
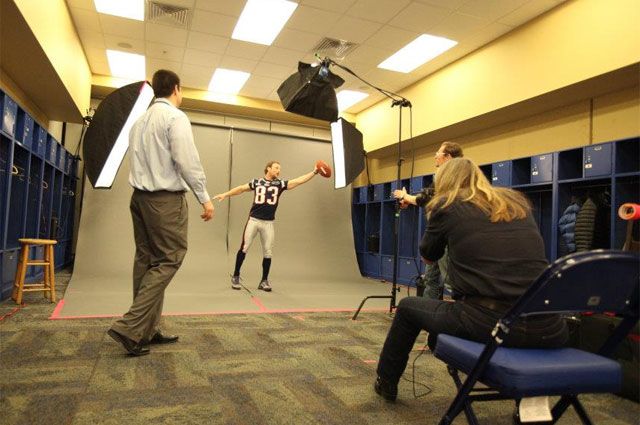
x,y
262,20
119,149
131,9
227,81
419,51
348,98
126,65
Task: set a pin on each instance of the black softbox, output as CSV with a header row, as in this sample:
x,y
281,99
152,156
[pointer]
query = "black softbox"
x,y
311,92
106,140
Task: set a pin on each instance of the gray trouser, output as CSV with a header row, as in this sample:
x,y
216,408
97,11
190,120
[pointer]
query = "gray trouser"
x,y
160,231
267,235
436,277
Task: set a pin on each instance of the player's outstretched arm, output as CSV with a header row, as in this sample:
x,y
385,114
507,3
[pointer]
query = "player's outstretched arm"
x,y
301,180
233,192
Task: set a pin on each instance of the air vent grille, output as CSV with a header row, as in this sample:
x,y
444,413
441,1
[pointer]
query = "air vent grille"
x,y
335,49
167,14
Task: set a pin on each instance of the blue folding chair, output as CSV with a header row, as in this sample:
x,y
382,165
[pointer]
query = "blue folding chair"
x,y
595,281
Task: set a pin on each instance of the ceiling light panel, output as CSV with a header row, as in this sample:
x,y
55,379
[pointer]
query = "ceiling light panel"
x,y
262,20
126,65
348,98
419,51
130,9
227,81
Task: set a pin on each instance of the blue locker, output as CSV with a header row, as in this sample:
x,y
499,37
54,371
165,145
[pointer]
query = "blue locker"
x,y
387,267
407,269
597,160
52,149
24,129
542,168
415,185
39,141
9,115
372,265
501,174
378,192
9,267
62,156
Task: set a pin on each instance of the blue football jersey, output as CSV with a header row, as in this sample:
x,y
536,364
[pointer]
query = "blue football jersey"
x,y
266,195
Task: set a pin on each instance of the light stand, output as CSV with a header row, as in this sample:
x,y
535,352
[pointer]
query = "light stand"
x,y
401,102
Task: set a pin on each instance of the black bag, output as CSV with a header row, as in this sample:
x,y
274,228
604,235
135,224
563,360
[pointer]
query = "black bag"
x,y
589,333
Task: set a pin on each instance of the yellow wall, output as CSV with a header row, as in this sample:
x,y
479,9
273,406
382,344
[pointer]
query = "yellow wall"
x,y
574,42
53,28
605,118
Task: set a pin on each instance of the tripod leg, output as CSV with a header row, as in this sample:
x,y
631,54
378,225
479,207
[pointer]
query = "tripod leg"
x,y
365,300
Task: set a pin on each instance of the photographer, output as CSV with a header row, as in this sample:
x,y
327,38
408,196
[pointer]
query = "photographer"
x,y
495,252
431,283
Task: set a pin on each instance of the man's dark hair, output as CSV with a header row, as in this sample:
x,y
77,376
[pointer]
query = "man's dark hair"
x,y
269,164
452,149
163,82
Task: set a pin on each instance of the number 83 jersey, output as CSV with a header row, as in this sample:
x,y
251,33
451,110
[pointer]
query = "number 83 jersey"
x,y
266,194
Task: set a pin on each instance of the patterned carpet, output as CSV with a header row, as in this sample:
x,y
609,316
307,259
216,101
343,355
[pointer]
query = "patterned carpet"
x,y
315,368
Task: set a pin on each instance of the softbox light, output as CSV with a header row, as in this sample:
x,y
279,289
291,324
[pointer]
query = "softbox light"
x,y
107,138
348,152
311,92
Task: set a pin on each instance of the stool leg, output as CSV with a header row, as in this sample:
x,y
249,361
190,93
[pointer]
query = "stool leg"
x,y
52,273
20,274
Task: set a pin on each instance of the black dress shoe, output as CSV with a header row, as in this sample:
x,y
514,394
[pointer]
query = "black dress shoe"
x,y
387,390
134,348
159,338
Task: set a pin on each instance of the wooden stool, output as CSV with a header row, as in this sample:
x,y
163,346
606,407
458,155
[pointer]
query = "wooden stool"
x,y
49,282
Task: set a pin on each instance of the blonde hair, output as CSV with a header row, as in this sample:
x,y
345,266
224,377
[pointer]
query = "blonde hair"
x,y
460,179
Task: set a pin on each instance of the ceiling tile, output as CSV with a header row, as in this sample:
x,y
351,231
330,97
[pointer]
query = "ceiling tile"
x,y
487,34
213,23
261,81
257,92
353,29
312,20
366,55
243,49
97,56
197,77
230,8
272,70
296,40
457,26
201,58
490,9
339,6
281,56
207,42
445,4
114,42
164,52
85,19
152,65
115,25
391,38
91,39
237,64
528,11
166,34
377,10
419,17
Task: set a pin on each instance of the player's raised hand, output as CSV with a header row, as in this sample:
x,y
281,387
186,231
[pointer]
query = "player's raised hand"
x,y
220,197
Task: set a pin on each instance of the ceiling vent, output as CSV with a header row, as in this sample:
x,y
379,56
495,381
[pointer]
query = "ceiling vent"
x,y
161,13
334,49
